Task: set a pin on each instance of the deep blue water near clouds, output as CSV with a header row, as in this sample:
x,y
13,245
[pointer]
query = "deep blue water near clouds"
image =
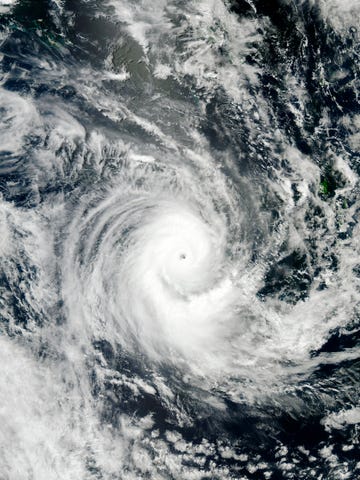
x,y
180,255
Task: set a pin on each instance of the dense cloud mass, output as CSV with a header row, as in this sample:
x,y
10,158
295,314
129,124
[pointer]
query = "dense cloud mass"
x,y
179,239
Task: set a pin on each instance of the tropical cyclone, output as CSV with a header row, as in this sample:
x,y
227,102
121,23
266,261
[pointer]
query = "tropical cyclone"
x,y
179,240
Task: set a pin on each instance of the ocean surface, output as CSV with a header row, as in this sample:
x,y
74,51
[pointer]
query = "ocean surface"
x,y
179,239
